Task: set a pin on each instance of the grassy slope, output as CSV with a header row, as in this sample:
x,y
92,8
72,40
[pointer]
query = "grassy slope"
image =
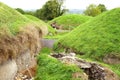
x,y
11,19
96,38
40,22
70,21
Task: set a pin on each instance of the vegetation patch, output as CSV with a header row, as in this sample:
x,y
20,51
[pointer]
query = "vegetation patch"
x,y
69,21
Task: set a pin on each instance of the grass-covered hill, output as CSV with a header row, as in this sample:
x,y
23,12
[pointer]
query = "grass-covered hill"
x,y
70,21
96,38
42,23
17,33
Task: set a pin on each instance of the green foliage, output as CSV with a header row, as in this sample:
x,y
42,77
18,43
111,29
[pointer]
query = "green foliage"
x,y
94,10
20,10
51,69
97,37
102,7
70,21
52,9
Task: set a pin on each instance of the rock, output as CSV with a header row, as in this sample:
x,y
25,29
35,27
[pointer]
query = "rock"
x,y
67,59
82,63
72,54
111,59
95,72
8,70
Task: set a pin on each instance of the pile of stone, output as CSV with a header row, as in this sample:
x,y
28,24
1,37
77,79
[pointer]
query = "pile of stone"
x,y
92,69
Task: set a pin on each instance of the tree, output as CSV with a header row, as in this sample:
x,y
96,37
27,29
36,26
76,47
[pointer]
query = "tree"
x,y
20,10
102,7
51,9
92,10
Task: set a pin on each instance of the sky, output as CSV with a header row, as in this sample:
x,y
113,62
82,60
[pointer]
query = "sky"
x,y
69,4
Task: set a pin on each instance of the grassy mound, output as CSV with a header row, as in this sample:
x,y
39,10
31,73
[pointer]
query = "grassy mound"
x,y
97,37
70,21
17,34
50,68
40,22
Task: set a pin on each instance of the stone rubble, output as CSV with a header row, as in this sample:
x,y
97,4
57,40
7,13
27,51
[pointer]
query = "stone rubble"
x,y
93,70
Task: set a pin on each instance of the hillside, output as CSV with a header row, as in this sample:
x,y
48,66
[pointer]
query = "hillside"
x,y
17,34
41,23
70,21
97,37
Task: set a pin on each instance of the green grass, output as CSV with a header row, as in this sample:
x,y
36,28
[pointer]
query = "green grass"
x,y
11,20
70,21
51,69
96,38
46,50
42,23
